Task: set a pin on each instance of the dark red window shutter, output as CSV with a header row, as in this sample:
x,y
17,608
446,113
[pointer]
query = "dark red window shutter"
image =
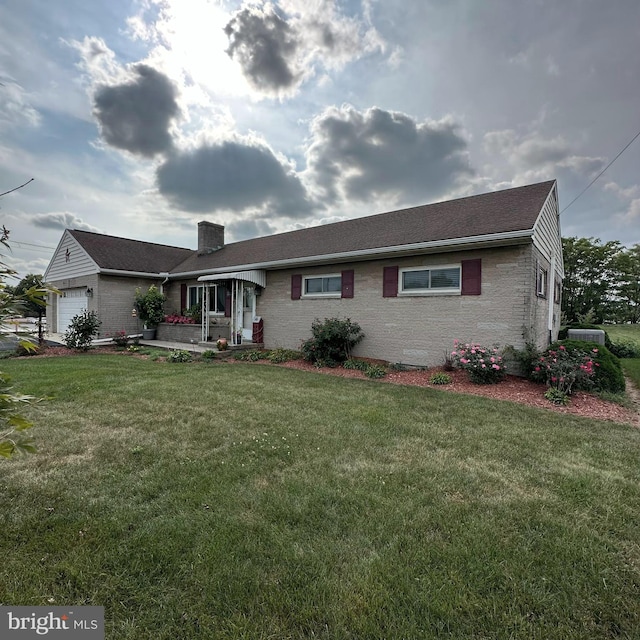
x,y
390,282
227,303
347,284
296,286
471,277
183,297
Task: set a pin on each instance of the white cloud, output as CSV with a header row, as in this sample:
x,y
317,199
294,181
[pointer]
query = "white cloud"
x,y
365,155
61,220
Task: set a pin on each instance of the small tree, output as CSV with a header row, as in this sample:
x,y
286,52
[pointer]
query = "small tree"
x,y
83,328
150,306
13,425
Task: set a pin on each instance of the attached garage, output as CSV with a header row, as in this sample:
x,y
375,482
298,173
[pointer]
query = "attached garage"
x,y
70,304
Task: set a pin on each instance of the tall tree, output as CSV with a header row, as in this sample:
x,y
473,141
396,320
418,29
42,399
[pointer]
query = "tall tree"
x,y
30,282
591,278
628,289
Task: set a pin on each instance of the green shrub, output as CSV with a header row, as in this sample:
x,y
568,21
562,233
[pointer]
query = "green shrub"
x,y
179,355
556,396
208,355
120,338
375,371
352,363
246,355
150,306
83,328
440,378
279,355
369,370
625,349
526,358
332,341
194,312
608,371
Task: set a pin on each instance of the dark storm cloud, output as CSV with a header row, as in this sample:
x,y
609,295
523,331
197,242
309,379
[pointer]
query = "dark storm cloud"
x,y
232,175
265,46
136,116
61,220
383,153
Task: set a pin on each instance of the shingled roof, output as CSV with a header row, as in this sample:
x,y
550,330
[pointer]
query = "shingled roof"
x,y
122,254
499,212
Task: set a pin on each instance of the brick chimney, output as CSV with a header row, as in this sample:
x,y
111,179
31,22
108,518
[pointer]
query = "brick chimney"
x,y
210,237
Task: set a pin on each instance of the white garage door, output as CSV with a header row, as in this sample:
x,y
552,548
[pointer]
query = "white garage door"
x,y
70,303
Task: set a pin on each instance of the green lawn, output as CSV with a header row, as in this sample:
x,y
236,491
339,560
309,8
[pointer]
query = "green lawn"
x,y
247,501
623,332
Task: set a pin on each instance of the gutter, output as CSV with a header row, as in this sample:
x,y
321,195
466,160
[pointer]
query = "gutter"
x,y
120,272
490,240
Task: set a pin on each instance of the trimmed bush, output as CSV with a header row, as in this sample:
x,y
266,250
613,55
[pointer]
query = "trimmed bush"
x,y
332,342
608,371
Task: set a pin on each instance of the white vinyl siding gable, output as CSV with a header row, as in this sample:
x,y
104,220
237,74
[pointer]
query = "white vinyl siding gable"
x,y
546,232
70,260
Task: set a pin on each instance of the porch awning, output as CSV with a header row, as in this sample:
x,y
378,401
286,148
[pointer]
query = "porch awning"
x,y
256,276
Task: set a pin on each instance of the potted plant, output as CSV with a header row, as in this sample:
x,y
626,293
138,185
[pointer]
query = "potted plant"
x,y
222,344
150,306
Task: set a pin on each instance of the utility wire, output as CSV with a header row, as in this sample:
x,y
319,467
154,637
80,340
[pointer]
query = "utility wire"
x,y
29,244
16,188
619,154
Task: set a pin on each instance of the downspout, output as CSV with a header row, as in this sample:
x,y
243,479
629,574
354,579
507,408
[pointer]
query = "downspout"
x,y
164,275
551,294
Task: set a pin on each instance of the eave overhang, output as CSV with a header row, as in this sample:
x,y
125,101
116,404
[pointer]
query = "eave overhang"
x,y
436,246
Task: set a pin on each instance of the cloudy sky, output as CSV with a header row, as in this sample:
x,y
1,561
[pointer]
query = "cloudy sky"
x,y
138,118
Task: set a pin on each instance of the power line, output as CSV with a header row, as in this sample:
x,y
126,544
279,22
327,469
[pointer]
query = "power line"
x,y
16,188
619,154
29,244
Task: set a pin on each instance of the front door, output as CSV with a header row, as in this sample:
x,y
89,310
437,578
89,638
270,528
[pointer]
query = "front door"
x,y
248,311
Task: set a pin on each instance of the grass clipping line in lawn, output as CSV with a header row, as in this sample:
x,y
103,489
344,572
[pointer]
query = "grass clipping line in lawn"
x,y
258,502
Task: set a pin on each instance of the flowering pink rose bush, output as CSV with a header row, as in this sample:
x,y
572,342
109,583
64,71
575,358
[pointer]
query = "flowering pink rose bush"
x,y
561,369
483,365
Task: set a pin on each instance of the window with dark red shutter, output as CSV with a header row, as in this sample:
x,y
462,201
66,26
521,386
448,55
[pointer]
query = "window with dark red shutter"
x,y
296,286
347,284
472,277
390,282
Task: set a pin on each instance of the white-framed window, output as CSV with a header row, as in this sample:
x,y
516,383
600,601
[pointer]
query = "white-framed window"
x,y
542,282
557,290
429,280
322,286
217,298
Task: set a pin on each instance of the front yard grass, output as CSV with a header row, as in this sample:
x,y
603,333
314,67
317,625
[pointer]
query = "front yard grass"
x,y
241,501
